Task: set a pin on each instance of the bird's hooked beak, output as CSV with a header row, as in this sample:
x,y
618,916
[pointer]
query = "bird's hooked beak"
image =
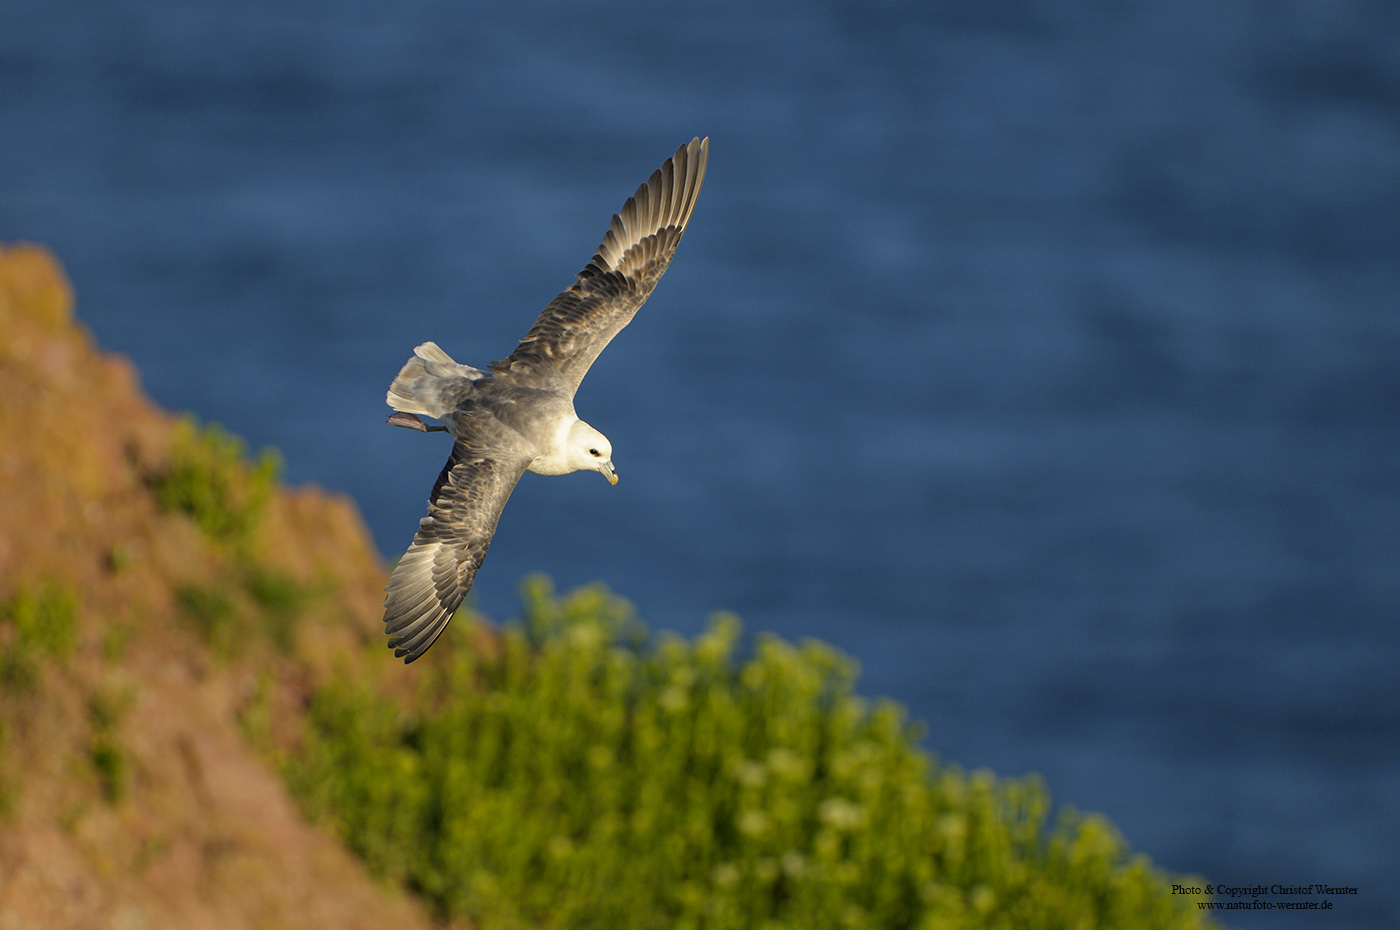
x,y
609,472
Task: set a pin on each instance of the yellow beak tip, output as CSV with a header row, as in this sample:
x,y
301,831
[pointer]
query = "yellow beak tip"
x,y
612,477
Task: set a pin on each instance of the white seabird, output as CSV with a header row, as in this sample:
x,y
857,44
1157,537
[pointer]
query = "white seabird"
x,y
518,415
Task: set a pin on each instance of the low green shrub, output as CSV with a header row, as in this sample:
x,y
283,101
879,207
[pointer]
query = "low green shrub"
x,y
106,708
36,623
209,479
245,605
214,616
280,599
586,775
45,619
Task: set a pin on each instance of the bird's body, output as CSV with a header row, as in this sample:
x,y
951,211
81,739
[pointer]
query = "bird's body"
x,y
518,414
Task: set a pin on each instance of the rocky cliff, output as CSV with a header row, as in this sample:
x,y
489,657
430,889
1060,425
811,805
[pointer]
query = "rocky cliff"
x,y
164,607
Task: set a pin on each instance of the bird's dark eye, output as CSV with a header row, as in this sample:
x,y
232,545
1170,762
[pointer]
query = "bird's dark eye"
x,y
593,452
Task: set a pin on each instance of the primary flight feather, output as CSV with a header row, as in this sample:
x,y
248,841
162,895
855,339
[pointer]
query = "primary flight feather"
x,y
518,414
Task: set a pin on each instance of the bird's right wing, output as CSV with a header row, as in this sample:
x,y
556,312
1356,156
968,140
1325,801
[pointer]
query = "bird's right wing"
x,y
435,574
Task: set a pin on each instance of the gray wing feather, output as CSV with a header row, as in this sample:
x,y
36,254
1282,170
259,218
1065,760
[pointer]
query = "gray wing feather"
x,y
634,253
437,571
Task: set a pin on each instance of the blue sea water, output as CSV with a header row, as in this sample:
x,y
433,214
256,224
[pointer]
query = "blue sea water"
x,y
1045,357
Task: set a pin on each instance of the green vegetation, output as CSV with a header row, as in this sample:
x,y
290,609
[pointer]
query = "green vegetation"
x,y
577,773
212,614
106,707
248,603
210,479
40,623
255,717
34,624
280,599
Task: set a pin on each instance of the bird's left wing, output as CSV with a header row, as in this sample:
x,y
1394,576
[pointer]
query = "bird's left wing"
x,y
634,253
435,574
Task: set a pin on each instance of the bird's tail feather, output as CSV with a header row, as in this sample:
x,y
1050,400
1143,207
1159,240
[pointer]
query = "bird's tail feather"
x,y
431,383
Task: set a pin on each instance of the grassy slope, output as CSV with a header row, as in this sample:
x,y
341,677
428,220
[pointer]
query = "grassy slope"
x,y
128,796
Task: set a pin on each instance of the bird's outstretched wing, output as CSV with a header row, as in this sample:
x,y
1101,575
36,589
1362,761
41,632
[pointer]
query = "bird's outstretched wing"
x,y
633,255
435,574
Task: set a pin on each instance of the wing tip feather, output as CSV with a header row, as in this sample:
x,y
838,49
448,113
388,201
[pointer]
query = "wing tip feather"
x,y
667,198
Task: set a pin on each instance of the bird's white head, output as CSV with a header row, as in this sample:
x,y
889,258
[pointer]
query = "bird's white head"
x,y
590,449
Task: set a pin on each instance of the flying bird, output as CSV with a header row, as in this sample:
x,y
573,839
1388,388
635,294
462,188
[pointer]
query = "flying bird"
x,y
518,415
